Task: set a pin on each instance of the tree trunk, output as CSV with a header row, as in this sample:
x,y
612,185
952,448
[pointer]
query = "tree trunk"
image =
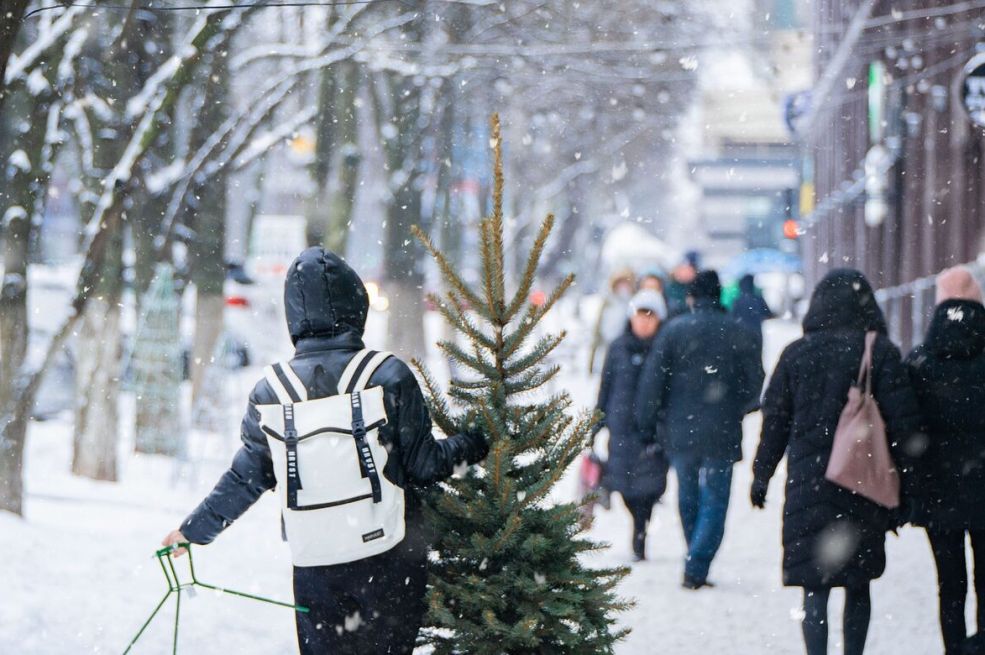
x,y
97,415
342,188
209,324
13,348
97,373
157,370
208,257
11,18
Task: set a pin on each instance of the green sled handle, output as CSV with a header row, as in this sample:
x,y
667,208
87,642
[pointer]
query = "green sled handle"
x,y
165,557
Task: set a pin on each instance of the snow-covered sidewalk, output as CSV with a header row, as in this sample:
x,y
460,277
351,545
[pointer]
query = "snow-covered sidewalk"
x,y
78,577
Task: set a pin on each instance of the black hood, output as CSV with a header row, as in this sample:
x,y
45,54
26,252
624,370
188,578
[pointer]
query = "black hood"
x,y
323,296
844,300
957,329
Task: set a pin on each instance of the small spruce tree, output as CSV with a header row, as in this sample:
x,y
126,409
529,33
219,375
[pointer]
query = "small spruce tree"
x,y
509,575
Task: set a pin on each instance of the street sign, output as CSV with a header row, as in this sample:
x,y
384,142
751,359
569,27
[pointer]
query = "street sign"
x,y
973,89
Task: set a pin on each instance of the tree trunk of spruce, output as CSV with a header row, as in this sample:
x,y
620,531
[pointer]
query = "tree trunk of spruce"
x,y
97,414
97,373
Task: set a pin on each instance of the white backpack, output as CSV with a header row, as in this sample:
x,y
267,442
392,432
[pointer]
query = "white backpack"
x,y
338,506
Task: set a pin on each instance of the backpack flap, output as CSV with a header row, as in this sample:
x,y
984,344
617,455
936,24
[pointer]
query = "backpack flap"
x,y
332,414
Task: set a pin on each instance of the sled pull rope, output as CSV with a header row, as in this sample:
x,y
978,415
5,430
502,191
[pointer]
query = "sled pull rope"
x,y
176,586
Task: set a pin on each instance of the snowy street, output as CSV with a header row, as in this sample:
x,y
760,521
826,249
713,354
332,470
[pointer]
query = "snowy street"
x,y
79,577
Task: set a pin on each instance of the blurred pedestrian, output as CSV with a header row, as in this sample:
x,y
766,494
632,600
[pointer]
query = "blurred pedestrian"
x,y
652,279
611,321
948,375
750,309
637,466
676,289
832,537
703,375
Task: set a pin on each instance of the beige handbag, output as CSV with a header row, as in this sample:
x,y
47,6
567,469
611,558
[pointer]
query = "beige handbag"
x,y
860,458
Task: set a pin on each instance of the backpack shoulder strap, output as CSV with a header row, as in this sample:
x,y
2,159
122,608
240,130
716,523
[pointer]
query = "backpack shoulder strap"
x,y
372,363
285,383
350,370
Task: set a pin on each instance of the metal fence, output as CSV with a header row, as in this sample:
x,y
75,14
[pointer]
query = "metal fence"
x,y
909,307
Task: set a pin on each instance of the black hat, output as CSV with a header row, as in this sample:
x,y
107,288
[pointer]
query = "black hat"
x,y
705,285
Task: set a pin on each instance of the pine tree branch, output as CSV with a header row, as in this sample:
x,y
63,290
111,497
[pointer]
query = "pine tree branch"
x,y
497,219
454,313
438,406
471,361
533,316
529,273
543,349
489,272
451,277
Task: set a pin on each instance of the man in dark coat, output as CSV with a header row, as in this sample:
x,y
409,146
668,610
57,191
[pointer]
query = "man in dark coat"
x,y
948,375
637,466
703,375
750,309
374,605
833,537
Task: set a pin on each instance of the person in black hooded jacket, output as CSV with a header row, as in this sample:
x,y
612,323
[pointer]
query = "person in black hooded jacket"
x,y
374,605
948,374
831,536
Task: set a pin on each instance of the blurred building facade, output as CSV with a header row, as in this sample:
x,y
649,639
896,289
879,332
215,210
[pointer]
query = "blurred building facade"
x,y
890,151
749,168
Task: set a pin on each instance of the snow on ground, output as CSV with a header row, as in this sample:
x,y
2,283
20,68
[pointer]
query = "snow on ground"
x,y
77,574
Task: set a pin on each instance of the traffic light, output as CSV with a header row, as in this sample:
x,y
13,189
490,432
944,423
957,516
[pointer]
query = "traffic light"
x,y
791,229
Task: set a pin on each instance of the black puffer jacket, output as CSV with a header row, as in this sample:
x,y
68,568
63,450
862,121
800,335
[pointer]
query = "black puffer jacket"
x,y
832,537
635,468
948,374
326,307
703,374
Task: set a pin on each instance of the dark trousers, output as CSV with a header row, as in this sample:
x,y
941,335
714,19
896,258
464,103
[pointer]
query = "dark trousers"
x,y
952,582
641,509
371,607
858,610
704,487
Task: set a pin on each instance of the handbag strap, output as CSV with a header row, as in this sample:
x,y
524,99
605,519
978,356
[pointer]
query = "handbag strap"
x,y
864,380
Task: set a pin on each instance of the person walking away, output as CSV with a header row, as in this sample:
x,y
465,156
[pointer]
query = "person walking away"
x,y
832,537
360,553
750,309
611,321
948,374
703,375
637,467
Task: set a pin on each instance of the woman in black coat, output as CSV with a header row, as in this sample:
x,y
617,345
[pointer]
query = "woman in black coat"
x,y
831,536
948,374
637,467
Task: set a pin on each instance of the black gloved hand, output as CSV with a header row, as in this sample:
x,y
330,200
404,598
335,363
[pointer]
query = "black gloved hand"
x,y
757,495
477,446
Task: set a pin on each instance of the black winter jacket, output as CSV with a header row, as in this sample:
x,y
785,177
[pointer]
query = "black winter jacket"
x,y
832,537
326,307
704,373
635,467
948,375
